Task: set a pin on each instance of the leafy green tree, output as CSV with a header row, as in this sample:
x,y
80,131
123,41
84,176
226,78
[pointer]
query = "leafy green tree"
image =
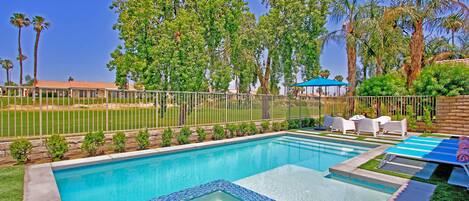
x,y
29,80
383,85
20,21
444,79
39,25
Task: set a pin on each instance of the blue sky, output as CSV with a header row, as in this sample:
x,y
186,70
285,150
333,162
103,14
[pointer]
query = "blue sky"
x,y
80,39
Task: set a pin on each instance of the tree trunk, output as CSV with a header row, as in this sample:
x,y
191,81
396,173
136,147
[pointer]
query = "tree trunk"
x,y
8,76
452,38
416,52
20,57
379,65
264,80
351,64
351,61
36,44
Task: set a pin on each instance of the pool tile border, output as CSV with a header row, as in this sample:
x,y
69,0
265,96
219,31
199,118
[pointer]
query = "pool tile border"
x,y
214,186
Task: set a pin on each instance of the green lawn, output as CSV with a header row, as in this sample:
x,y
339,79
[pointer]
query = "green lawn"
x,y
443,191
11,184
26,123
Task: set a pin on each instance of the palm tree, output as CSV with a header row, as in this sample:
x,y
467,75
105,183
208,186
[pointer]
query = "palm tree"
x,y
7,65
416,14
324,73
19,20
39,24
346,11
453,24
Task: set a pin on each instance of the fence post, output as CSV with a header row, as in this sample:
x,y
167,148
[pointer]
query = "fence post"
x,y
107,109
40,114
195,107
272,108
250,100
226,107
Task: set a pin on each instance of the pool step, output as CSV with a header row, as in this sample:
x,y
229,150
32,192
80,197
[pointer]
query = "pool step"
x,y
325,143
346,149
329,151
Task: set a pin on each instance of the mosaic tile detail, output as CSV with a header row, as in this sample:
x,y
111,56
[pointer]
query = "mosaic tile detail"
x,y
217,185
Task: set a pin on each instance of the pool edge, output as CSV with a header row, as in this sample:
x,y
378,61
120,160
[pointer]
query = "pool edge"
x,y
43,173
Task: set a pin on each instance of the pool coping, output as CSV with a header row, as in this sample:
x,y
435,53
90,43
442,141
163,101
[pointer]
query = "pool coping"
x,y
40,184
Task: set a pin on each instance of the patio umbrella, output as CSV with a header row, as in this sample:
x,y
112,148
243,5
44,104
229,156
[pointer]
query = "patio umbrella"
x,y
320,82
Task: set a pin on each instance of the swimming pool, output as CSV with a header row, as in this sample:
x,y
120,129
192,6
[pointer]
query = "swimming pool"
x,y
266,166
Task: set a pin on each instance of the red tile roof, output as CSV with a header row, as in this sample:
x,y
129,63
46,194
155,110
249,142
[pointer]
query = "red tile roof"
x,y
78,84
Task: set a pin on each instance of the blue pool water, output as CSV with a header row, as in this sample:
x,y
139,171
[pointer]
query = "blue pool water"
x,y
149,177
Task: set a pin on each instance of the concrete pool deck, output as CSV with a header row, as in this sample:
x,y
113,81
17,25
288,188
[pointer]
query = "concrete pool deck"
x,y
40,184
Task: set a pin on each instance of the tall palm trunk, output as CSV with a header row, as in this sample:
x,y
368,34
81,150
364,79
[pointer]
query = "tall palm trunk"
x,y
452,37
8,76
36,44
351,61
20,57
416,52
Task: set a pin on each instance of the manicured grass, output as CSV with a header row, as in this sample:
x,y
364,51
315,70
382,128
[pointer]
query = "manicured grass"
x,y
443,191
11,184
26,123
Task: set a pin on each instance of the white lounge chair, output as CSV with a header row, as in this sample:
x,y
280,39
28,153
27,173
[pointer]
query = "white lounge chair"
x,y
383,120
341,124
396,127
369,126
357,117
328,121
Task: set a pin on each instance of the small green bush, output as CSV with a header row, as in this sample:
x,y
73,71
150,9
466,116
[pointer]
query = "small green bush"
x,y
56,146
218,132
243,129
412,123
293,123
167,137
92,142
312,122
118,141
20,150
252,129
284,125
232,130
201,134
265,126
143,139
305,122
276,126
427,119
184,134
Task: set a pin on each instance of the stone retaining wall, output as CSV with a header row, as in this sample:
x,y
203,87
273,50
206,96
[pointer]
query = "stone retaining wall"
x,y
39,152
452,116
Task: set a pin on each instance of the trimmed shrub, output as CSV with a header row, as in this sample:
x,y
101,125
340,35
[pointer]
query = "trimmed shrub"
x,y
411,122
143,139
276,126
305,122
20,150
252,129
232,130
118,141
93,142
312,122
243,129
184,134
293,123
167,137
201,134
265,126
427,119
284,125
56,146
218,132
